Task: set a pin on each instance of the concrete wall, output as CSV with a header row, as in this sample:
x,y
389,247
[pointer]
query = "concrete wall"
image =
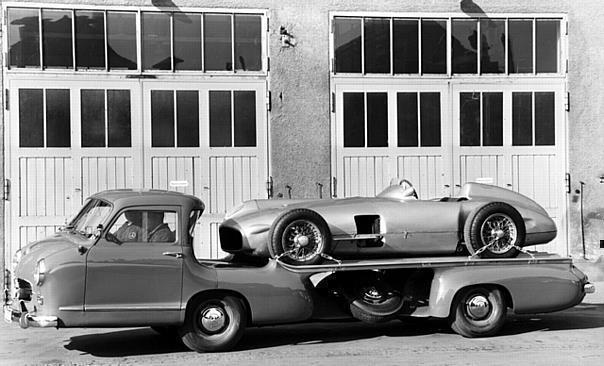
x,y
299,82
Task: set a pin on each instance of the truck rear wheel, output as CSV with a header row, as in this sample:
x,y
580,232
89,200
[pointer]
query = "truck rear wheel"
x,y
375,303
478,312
214,324
494,230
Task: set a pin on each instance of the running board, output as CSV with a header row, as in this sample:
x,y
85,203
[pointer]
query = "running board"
x,y
358,237
334,265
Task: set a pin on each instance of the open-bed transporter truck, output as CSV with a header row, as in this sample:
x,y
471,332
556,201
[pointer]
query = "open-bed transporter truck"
x,y
83,276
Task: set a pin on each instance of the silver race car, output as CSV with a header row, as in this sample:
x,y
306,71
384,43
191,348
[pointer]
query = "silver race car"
x,y
485,220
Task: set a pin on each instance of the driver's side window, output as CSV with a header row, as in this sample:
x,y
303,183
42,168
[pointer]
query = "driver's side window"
x,y
145,226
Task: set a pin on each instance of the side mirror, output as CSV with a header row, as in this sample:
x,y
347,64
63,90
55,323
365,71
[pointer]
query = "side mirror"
x,y
112,238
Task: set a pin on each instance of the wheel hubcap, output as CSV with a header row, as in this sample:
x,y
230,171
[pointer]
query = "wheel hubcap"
x,y
478,307
498,233
213,319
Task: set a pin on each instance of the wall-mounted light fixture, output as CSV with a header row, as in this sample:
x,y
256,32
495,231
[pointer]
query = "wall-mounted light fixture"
x,y
287,39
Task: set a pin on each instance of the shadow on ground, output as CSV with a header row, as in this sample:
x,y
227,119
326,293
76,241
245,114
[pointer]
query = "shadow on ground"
x,y
144,341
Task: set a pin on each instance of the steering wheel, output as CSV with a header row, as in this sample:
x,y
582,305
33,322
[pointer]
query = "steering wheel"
x,y
408,188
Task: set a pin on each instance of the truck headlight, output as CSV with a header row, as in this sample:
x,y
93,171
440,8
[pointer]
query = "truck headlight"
x,y
40,272
16,259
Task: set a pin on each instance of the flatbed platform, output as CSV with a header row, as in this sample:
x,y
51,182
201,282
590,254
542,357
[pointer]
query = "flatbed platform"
x,y
333,265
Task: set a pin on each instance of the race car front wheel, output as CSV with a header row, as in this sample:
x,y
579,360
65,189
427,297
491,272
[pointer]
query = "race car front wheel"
x,y
299,237
478,312
494,230
214,324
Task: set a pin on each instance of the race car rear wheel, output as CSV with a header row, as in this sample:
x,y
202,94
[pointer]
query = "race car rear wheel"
x,y
214,324
494,230
299,237
478,312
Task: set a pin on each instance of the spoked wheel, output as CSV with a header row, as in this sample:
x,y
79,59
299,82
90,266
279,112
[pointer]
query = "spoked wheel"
x,y
299,237
494,230
478,312
214,324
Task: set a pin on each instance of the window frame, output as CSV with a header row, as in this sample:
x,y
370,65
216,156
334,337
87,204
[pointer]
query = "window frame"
x,y
562,59
174,209
138,11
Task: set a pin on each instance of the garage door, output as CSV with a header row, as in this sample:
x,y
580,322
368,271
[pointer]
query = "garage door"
x,y
442,137
69,140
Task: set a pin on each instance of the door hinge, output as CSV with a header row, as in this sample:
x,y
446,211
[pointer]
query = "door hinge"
x,y
335,187
269,187
268,64
566,28
6,99
6,193
333,102
269,102
567,182
268,22
567,102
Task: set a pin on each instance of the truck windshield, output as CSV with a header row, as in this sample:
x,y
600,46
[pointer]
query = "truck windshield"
x,y
93,214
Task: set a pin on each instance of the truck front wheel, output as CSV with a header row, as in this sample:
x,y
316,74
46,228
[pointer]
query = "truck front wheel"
x,y
478,312
214,324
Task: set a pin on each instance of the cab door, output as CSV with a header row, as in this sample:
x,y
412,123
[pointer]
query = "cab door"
x,y
137,278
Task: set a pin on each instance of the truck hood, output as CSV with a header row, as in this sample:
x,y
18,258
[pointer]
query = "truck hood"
x,y
47,248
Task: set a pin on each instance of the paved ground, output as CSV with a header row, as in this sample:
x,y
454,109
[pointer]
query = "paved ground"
x,y
571,337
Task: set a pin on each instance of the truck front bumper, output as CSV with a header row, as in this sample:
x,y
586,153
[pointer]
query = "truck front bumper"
x,y
27,319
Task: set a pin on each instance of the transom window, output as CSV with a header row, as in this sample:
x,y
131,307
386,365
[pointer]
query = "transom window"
x,y
391,45
108,40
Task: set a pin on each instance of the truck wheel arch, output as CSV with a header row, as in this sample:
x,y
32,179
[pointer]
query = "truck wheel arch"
x,y
217,293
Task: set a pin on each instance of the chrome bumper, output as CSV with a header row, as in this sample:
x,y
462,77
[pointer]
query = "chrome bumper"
x,y
589,288
26,320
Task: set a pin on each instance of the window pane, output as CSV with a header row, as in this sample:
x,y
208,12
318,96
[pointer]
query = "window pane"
x,y
492,119
405,46
430,119
544,119
217,42
118,118
492,35
464,44
187,117
245,118
162,118
522,119
469,119
406,114
354,120
434,47
347,44
90,39
548,35
520,46
31,119
220,118
142,226
58,118
56,31
121,40
377,45
23,37
92,107
156,41
248,42
377,119
187,41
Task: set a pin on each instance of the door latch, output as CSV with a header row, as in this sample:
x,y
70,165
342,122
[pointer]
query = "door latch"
x,y
173,254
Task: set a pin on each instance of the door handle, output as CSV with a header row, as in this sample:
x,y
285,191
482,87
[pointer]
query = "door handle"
x,y
173,254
